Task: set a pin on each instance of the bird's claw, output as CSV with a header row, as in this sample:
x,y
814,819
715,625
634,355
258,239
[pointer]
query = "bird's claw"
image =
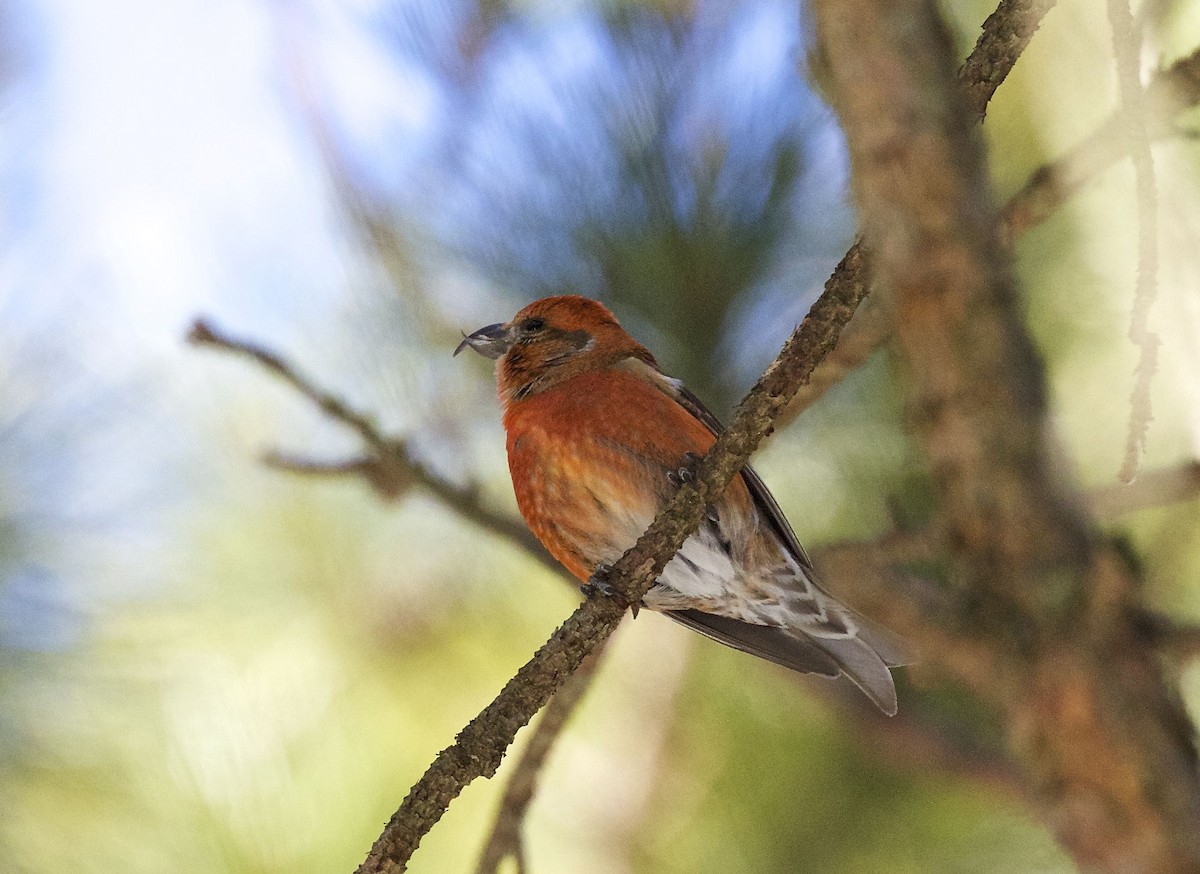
x,y
686,472
598,584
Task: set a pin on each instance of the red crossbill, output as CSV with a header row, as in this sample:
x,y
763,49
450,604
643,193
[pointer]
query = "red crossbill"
x,y
598,438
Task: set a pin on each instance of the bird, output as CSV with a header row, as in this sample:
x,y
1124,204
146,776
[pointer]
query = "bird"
x,y
599,439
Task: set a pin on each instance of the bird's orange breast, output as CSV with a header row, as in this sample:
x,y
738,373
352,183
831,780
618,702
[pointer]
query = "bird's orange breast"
x,y
589,460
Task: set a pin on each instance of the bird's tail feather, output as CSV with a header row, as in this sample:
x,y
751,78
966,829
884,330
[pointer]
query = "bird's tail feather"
x,y
768,642
808,653
889,646
859,661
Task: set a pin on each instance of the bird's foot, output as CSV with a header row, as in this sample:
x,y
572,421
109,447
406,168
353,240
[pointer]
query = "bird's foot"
x,y
598,584
686,472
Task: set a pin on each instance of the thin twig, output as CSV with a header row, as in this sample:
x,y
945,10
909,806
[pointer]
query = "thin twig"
x,y
202,333
1004,36
1127,50
389,467
391,481
505,839
310,467
1154,488
1169,93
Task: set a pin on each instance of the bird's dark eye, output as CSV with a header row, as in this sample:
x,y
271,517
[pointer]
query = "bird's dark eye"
x,y
529,326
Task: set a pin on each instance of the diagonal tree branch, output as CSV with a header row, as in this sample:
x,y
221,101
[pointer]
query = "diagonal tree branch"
x,y
479,748
1005,34
505,840
862,571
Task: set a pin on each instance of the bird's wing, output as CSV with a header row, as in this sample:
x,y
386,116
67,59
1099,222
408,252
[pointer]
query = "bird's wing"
x,y
764,501
839,639
892,650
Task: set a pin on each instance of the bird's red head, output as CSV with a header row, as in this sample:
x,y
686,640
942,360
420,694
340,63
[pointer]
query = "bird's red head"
x,y
551,341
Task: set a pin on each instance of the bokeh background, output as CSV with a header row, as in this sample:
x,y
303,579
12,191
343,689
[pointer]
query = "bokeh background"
x,y
210,666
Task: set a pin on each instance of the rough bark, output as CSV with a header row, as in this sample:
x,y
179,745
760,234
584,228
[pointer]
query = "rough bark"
x,y
1106,750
